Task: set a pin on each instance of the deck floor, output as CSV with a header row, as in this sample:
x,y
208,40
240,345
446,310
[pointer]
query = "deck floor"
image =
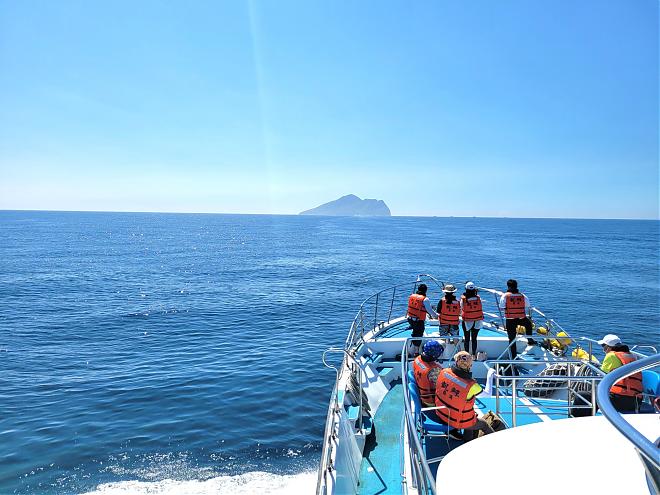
x,y
403,330
380,472
528,409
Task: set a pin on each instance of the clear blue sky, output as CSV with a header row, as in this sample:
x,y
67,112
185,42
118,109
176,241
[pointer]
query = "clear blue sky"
x,y
535,108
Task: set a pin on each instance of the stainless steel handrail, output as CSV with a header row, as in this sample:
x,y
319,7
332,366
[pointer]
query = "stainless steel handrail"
x,y
359,318
643,445
427,479
652,347
512,381
326,453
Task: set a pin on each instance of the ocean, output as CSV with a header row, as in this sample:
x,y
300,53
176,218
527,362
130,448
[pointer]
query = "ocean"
x,y
181,353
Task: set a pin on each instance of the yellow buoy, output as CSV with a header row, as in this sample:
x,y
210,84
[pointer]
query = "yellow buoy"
x,y
564,342
584,356
561,343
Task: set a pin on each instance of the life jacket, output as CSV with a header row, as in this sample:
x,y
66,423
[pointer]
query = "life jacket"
x,y
471,309
416,306
425,376
449,312
451,392
514,305
631,385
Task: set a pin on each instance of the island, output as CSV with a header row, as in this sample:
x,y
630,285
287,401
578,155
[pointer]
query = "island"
x,y
350,206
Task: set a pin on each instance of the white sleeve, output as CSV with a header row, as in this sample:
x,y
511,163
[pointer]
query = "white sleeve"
x,y
502,302
429,309
527,305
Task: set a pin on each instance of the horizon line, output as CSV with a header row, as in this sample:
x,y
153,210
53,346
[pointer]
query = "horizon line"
x,y
325,216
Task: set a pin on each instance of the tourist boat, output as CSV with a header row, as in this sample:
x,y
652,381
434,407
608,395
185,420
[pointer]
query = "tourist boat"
x,y
562,433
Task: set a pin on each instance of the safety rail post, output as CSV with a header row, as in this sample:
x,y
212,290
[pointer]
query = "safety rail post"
x,y
361,394
513,400
389,315
376,311
593,397
402,462
497,388
499,310
569,368
362,325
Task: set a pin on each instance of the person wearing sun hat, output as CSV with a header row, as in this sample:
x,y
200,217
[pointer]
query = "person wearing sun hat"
x,y
455,393
449,310
624,394
472,316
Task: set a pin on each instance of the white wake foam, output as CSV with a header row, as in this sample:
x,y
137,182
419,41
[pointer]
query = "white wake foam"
x,y
256,482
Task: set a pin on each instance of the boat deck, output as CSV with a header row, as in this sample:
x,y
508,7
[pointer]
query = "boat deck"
x,y
380,471
402,330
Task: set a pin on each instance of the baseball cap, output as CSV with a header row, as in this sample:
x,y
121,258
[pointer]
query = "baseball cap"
x,y
610,339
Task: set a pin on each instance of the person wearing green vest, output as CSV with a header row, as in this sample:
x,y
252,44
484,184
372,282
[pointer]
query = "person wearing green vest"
x,y
626,393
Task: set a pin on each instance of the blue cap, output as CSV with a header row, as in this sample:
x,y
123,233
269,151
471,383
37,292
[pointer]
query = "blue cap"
x,y
433,349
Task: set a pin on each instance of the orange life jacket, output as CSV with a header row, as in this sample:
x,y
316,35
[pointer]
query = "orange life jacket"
x,y
416,306
449,312
631,385
514,306
451,392
472,310
426,377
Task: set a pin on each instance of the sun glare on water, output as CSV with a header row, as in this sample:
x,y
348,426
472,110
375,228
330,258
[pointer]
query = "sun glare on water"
x,y
244,484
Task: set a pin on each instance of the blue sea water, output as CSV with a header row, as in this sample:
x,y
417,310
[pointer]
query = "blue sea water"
x,y
172,353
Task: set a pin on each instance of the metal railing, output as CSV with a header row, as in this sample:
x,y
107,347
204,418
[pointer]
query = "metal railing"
x,y
421,472
329,434
506,382
647,451
333,412
378,308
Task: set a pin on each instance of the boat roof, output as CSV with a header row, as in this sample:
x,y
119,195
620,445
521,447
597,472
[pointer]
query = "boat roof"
x,y
587,453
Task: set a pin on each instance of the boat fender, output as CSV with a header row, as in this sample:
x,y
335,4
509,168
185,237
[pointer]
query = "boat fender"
x,y
542,331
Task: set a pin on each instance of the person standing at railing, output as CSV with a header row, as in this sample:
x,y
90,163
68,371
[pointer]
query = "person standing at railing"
x,y
626,393
517,311
449,310
472,316
455,392
418,307
426,369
